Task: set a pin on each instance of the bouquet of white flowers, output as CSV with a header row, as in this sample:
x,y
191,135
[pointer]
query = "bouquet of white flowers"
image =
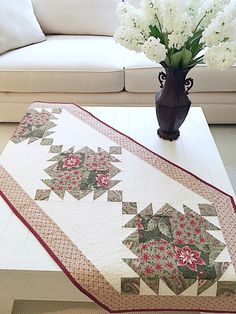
x,y
180,34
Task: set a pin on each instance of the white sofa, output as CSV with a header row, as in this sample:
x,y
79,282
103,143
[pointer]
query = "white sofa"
x,y
80,62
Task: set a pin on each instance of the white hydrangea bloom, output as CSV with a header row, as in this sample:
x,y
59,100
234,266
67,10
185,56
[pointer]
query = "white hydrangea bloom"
x,y
221,28
182,31
193,7
154,50
208,11
152,11
129,38
132,18
221,57
193,11
172,14
176,22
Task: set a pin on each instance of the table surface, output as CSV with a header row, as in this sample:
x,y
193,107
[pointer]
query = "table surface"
x,y
195,150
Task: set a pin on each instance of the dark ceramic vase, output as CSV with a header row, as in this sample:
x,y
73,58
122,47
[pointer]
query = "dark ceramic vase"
x,y
172,102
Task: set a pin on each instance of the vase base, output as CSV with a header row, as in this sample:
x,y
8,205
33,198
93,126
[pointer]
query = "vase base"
x,y
168,136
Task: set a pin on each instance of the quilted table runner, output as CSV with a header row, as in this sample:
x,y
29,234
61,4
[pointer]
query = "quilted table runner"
x,y
130,229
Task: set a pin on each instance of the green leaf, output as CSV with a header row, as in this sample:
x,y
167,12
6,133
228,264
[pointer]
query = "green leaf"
x,y
197,50
152,224
187,56
196,61
176,59
165,39
196,37
193,44
164,228
167,61
154,31
181,59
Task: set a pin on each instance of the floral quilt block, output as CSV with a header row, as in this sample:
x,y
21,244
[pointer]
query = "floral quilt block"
x,y
34,126
175,248
81,173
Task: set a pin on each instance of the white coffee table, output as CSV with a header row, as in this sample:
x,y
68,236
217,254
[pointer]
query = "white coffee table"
x,y
28,272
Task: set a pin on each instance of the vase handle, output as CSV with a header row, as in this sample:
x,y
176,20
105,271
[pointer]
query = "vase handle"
x,y
161,78
189,84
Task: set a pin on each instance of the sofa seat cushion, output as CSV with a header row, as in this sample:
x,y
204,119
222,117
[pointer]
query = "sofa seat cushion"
x,y
64,63
141,75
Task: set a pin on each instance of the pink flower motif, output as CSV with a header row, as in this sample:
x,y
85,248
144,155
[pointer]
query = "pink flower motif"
x,y
161,248
170,265
158,266
72,161
103,180
144,246
145,256
192,222
157,256
148,269
202,240
179,233
170,253
188,257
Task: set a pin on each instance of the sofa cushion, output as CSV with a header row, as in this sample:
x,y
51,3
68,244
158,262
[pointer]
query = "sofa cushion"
x,y
18,25
141,76
85,64
89,17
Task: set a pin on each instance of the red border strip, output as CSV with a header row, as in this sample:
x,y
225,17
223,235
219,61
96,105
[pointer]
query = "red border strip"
x,y
66,272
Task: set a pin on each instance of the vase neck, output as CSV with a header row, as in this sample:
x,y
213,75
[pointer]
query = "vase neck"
x,y
175,81
177,75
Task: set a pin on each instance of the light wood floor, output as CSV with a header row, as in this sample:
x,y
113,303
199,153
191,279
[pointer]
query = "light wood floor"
x,y
225,138
39,307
